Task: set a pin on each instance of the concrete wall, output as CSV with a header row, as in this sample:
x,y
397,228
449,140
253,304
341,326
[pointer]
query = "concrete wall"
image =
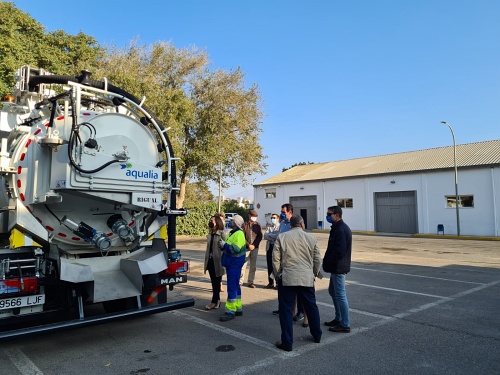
x,y
431,189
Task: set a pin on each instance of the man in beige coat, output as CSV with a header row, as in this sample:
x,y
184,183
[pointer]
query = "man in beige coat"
x,y
296,263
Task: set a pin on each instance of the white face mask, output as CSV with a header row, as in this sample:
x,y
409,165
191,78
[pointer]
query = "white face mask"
x,y
253,218
273,221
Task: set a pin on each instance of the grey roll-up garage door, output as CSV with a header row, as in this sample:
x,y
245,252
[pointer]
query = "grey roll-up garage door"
x,y
396,212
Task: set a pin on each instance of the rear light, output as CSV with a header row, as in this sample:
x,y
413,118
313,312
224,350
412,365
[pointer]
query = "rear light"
x,y
176,267
18,285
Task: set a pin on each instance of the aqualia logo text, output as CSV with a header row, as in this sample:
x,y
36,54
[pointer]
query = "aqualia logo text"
x,y
135,174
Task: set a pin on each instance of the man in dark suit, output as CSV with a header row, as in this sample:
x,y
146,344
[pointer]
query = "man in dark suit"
x,y
337,261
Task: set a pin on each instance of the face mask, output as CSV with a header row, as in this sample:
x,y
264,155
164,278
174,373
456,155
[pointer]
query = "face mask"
x,y
329,219
283,216
211,224
253,218
273,221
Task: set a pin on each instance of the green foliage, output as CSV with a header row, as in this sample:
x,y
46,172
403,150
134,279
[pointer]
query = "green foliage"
x,y
70,54
196,193
23,41
233,206
296,164
214,119
195,223
20,37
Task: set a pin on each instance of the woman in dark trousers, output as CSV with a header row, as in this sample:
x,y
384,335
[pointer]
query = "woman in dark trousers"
x,y
213,259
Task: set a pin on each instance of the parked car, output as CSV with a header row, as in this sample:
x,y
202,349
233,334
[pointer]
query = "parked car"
x,y
229,216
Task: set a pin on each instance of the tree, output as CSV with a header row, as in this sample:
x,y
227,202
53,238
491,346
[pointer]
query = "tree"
x,y
214,118
23,41
74,53
232,205
196,193
297,164
224,131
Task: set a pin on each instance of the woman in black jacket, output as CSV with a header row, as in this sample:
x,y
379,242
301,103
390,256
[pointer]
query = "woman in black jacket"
x,y
213,259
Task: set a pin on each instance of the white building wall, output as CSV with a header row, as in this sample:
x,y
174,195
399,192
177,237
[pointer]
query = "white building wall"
x,y
356,189
479,220
431,189
495,184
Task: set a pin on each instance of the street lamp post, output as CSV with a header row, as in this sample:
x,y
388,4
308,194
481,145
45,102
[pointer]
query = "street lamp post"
x,y
220,187
456,176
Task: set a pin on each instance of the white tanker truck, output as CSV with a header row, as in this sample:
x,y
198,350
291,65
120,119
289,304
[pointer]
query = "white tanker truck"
x,y
87,177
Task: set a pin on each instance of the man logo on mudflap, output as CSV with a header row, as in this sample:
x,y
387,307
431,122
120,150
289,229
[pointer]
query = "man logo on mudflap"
x,y
171,280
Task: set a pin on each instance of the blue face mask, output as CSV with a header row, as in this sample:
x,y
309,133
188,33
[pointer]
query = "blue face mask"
x,y
329,219
283,216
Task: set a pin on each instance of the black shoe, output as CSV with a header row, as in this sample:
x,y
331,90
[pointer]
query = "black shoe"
x,y
332,323
318,340
226,317
305,325
276,312
280,345
238,313
270,286
299,316
340,328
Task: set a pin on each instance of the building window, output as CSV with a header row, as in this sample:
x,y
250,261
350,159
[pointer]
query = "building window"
x,y
465,201
270,193
344,202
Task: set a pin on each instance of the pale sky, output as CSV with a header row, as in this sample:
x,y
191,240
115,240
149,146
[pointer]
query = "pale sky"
x,y
339,79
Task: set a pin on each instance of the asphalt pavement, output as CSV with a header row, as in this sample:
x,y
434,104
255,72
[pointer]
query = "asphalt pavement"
x,y
418,306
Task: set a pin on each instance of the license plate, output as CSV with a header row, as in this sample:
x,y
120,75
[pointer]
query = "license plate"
x,y
12,303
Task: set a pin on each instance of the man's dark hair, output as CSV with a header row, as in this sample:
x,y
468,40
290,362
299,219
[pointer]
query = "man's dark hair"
x,y
295,221
335,210
288,207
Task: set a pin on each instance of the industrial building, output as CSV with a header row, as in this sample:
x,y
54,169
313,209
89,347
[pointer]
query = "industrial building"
x,y
409,192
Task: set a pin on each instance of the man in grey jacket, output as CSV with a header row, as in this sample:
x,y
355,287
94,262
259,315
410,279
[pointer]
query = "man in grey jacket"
x,y
296,262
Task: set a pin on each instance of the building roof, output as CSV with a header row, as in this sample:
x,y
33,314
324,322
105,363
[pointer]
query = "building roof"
x,y
469,155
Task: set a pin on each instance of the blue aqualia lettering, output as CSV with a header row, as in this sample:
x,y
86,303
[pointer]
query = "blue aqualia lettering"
x,y
141,174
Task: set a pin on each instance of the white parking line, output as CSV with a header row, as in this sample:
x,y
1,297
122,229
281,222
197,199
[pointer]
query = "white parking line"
x,y
356,311
329,339
337,337
232,332
421,276
396,290
436,303
23,363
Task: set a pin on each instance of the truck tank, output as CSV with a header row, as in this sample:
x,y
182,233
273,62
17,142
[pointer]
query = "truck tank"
x,y
87,181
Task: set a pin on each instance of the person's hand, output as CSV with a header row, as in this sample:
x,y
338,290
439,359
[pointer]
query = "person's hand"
x,y
222,243
251,247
